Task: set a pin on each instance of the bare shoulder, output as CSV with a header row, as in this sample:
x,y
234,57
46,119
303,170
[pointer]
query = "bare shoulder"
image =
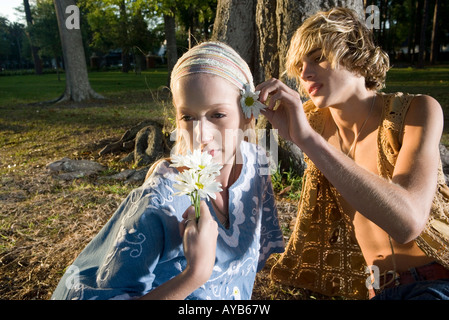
x,y
423,126
425,111
417,162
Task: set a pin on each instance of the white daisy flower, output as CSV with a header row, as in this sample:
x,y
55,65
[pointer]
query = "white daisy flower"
x,y
198,181
192,182
199,161
250,103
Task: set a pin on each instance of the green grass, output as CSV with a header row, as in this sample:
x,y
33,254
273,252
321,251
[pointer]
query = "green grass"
x,y
287,184
432,81
28,132
32,88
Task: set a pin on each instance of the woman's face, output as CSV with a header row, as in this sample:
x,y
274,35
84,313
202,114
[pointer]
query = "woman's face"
x,y
209,115
327,86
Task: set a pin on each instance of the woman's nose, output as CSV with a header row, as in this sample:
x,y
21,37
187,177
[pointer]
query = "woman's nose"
x,y
203,132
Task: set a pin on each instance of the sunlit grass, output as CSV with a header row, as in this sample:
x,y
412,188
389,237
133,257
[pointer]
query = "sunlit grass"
x,y
21,89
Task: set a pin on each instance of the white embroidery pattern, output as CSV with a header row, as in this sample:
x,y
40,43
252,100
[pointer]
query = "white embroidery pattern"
x,y
233,239
123,243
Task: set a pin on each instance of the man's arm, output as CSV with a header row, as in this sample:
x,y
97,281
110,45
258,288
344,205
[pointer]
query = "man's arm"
x,y
400,207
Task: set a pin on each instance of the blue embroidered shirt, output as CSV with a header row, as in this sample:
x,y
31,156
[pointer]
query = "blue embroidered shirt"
x,y
140,247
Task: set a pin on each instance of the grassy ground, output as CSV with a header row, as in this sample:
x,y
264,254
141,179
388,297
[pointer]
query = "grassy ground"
x,y
46,222
16,90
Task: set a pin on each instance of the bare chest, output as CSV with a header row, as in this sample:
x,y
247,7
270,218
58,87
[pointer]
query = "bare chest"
x,y
364,151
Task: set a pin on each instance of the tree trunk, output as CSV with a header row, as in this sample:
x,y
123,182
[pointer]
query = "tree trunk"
x,y
411,31
34,50
267,41
422,38
415,32
435,46
126,64
260,31
235,24
170,37
77,82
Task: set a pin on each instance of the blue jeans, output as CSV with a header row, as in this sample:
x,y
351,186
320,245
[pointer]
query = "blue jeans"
x,y
420,290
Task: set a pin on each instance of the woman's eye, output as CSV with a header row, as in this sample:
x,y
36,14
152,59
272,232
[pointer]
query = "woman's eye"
x,y
219,115
186,118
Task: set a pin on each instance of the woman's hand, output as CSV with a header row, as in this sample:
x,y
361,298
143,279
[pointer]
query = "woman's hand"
x,y
288,118
200,242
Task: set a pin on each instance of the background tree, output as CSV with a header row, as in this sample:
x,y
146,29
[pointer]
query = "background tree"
x,y
434,46
112,22
34,50
16,32
77,82
14,46
5,41
406,26
46,34
422,37
196,16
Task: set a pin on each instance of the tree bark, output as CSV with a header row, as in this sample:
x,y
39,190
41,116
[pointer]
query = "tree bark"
x,y
77,82
422,38
235,25
267,41
415,31
126,64
170,37
435,46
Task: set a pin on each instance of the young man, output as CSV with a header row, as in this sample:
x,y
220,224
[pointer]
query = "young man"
x,y
373,192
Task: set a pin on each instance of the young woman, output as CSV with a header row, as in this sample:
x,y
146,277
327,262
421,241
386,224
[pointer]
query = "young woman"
x,y
153,247
373,183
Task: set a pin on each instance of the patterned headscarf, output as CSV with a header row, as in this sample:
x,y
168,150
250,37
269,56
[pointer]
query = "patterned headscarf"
x,y
219,59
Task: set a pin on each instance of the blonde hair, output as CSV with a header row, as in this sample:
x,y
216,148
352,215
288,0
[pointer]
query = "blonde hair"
x,y
215,59
344,40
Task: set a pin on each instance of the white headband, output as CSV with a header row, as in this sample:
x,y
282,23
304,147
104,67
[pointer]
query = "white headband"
x,y
221,60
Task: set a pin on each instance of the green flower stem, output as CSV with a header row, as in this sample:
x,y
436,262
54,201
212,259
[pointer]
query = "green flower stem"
x,y
195,198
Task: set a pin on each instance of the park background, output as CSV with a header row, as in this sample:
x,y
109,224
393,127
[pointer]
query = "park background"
x,y
47,217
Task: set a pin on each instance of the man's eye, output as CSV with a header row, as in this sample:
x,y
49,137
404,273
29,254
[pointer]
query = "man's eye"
x,y
320,58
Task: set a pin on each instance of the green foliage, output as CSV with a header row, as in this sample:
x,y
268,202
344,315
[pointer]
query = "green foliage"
x,y
13,45
287,183
45,29
120,24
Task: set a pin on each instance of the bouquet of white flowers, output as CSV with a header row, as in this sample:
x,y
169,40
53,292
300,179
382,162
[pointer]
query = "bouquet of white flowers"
x,y
198,180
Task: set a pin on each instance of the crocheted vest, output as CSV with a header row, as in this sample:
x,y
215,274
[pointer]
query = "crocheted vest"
x,y
322,254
